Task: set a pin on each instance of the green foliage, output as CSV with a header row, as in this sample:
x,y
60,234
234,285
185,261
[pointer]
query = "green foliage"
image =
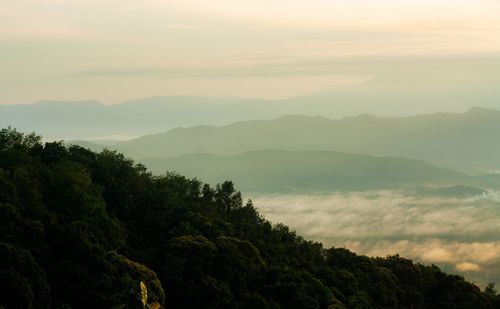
x,y
22,281
94,230
490,289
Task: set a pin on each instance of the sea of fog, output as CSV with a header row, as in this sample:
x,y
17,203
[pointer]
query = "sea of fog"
x,y
459,235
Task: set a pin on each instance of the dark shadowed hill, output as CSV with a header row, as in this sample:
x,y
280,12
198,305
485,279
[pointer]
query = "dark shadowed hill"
x,y
467,141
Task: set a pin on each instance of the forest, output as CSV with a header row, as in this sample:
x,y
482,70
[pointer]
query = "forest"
x,y
81,229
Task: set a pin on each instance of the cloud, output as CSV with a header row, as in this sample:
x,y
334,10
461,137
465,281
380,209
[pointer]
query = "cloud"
x,y
291,69
324,13
129,8
468,267
432,250
460,235
437,255
181,27
384,214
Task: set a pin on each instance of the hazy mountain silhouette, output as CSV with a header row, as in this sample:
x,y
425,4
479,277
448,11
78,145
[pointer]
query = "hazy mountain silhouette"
x,y
316,171
396,89
89,119
466,141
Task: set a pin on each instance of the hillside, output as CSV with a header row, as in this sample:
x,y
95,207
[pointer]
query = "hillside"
x,y
467,141
306,171
81,230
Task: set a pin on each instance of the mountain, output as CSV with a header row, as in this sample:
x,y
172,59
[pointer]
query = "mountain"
x,y
92,119
93,230
392,88
274,171
466,141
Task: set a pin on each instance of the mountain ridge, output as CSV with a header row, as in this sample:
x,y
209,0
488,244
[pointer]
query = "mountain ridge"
x,y
464,141
161,113
278,171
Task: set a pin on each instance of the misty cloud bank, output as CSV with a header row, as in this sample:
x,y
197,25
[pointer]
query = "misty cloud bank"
x,y
459,235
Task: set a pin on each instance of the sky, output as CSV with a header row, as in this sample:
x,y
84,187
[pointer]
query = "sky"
x,y
116,50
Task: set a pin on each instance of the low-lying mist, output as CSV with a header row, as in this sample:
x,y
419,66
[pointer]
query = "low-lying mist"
x,y
459,235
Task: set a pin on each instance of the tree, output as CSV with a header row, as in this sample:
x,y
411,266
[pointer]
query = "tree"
x,y
490,289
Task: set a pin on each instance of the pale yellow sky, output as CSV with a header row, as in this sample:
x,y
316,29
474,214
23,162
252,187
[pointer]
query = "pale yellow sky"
x,y
115,50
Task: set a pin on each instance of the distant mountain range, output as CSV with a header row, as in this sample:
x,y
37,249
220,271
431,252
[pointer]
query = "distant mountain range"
x,y
92,119
469,141
396,89
274,171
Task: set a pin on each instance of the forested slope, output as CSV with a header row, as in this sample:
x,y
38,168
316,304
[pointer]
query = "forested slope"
x,y
80,229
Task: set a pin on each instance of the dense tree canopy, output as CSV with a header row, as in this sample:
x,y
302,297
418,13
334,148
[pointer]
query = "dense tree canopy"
x,y
80,229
